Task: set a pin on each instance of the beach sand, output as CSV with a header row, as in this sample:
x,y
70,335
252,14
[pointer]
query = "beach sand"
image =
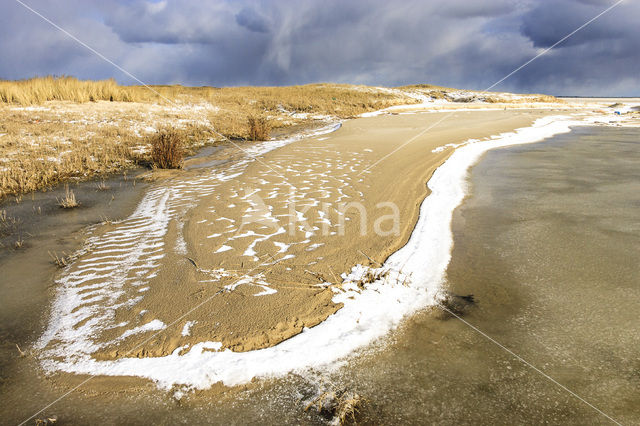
x,y
262,243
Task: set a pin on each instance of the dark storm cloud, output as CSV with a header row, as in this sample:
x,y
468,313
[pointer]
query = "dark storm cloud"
x,y
603,58
251,20
460,43
549,22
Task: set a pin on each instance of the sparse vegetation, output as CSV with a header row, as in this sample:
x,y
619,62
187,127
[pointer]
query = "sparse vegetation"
x,y
102,186
259,128
8,224
19,243
56,129
48,421
60,261
167,149
342,406
349,407
318,276
371,276
69,200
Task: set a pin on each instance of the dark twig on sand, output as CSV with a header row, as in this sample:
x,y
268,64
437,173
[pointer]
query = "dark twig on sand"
x,y
370,259
318,275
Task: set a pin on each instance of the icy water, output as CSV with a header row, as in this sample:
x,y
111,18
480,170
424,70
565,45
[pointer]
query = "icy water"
x,y
549,245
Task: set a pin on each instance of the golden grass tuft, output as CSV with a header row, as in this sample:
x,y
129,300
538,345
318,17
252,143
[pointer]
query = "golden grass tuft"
x,y
259,128
167,149
60,261
69,200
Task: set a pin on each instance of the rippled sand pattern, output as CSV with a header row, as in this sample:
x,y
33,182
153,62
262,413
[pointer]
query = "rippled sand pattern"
x,y
216,231
274,211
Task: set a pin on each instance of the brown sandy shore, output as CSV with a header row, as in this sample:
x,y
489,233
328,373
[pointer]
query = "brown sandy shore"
x,y
260,241
263,241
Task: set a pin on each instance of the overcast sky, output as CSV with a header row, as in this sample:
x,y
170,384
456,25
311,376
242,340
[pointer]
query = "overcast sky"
x,y
459,43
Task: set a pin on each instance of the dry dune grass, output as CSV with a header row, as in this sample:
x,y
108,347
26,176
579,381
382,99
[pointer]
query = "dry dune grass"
x,y
284,106
340,100
36,154
53,129
42,146
42,89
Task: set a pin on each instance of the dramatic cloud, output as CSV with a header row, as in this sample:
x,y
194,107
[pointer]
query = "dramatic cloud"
x,y
458,43
251,20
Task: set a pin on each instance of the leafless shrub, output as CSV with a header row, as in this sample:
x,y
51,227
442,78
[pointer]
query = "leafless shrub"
x,y
167,149
259,128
